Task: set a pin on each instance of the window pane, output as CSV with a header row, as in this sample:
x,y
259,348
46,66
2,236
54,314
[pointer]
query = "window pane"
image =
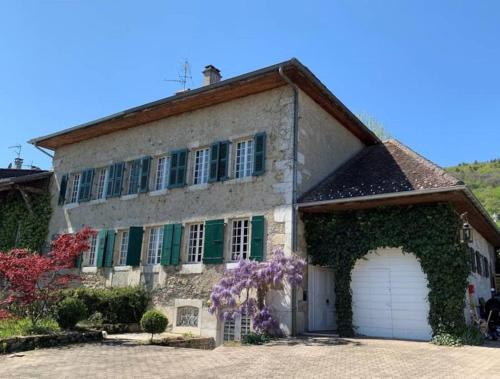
x,y
229,326
155,245
101,182
200,173
92,251
195,247
75,188
244,159
123,248
239,239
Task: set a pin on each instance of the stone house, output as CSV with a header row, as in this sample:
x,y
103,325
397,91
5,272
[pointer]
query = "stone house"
x,y
182,188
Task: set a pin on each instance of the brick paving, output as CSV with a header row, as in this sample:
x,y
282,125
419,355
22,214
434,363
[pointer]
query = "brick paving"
x,y
293,358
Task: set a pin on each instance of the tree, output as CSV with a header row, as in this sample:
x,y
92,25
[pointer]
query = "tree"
x,y
154,322
32,280
243,290
375,126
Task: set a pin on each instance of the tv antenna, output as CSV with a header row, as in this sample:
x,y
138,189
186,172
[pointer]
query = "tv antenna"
x,y
18,150
184,75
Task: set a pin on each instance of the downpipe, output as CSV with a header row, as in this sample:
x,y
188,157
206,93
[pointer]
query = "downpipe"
x,y
294,187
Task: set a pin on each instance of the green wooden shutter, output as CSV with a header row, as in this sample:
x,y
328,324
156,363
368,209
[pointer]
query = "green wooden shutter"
x,y
214,162
86,185
111,180
110,246
259,163
214,242
78,260
172,179
182,167
176,244
101,247
144,177
223,173
62,189
118,179
168,237
134,245
257,247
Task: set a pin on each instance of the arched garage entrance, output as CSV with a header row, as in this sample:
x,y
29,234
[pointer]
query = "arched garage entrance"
x,y
389,296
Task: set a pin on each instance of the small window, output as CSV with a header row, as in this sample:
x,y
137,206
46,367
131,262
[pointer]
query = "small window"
x,y
155,245
187,317
200,172
239,239
237,328
75,189
161,177
101,183
244,159
122,261
195,246
479,263
92,252
486,267
133,177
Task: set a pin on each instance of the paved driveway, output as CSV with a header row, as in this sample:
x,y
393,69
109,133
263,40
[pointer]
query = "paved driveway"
x,y
292,358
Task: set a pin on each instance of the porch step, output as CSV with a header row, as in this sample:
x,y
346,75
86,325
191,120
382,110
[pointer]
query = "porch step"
x,y
332,334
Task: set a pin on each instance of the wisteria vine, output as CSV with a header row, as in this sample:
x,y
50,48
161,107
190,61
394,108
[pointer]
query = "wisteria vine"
x,y
243,290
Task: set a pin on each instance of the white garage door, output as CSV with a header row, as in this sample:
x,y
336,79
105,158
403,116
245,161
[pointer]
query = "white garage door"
x,y
389,296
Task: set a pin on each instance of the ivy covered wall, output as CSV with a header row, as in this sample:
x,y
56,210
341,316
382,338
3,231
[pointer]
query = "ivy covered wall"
x,y
18,224
431,232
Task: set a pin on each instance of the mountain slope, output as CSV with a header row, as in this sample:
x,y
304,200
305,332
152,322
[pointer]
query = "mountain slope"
x,y
483,178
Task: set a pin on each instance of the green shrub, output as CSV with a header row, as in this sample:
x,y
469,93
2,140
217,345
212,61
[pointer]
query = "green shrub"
x,y
69,311
255,339
154,322
469,336
23,327
116,305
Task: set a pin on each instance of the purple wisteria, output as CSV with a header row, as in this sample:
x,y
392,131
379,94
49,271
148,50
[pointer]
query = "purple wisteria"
x,y
243,290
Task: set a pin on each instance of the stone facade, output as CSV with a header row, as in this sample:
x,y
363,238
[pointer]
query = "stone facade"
x,y
323,145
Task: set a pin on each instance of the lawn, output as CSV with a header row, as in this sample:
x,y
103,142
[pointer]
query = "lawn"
x,y
24,327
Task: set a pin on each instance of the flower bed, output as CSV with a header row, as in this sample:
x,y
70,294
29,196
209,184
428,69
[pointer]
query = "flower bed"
x,y
10,345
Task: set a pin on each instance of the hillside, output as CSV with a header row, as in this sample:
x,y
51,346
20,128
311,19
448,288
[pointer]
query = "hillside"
x,y
484,180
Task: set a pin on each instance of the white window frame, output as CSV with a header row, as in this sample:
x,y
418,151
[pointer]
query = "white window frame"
x,y
243,159
162,172
195,243
155,245
201,166
102,182
235,329
124,238
75,188
92,252
243,245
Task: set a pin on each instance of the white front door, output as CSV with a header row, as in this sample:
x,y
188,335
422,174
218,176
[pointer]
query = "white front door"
x,y
321,299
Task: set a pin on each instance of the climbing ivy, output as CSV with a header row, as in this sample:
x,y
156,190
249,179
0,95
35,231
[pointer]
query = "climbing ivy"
x,y
17,222
430,231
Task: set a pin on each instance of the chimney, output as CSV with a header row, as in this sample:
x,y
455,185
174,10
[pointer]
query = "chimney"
x,y
18,163
211,75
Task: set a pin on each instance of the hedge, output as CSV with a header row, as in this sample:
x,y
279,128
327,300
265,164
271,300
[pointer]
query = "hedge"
x,y
117,305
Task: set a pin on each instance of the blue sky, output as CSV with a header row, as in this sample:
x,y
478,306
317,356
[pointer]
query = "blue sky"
x,y
427,70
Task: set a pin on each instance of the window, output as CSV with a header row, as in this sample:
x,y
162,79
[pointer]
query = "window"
x,y
101,183
187,317
133,177
75,189
229,330
236,328
200,173
155,245
486,267
195,246
161,178
472,260
244,159
122,261
239,239
479,263
92,253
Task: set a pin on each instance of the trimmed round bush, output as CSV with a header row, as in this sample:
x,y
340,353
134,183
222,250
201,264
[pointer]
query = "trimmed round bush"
x,y
154,322
69,311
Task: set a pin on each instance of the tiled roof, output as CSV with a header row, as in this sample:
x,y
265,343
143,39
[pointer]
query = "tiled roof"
x,y
14,173
381,169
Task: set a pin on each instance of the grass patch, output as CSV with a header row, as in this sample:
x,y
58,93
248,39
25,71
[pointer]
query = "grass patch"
x,y
24,327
